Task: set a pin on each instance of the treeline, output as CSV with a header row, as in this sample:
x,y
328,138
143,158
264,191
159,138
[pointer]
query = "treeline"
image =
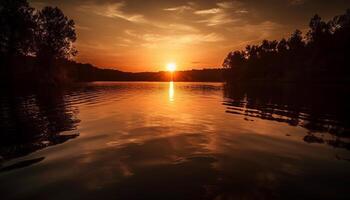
x,y
88,73
32,41
321,55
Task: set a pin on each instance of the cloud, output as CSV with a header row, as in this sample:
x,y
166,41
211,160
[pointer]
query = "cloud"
x,y
218,19
153,40
112,10
179,27
208,11
115,10
242,11
226,12
230,4
179,8
233,5
184,39
255,33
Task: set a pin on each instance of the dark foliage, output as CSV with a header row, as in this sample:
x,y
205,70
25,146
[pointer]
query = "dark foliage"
x,y
32,41
18,25
55,35
320,56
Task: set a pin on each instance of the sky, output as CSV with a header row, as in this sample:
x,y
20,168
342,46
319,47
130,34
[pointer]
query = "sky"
x,y
145,35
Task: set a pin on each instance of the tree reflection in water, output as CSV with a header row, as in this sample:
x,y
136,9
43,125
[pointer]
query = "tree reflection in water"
x,y
30,122
322,110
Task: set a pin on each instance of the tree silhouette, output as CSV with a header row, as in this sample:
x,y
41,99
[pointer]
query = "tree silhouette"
x,y
295,42
321,56
282,46
18,23
318,29
32,42
55,35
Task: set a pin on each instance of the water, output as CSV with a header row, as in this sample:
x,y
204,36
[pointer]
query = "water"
x,y
175,141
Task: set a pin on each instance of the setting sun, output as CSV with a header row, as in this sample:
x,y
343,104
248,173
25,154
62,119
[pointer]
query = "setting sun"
x,y
171,67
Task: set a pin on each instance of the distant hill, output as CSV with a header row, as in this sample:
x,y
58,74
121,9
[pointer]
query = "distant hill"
x,y
24,70
87,73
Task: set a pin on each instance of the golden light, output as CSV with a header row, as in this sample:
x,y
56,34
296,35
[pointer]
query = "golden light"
x,y
171,91
171,67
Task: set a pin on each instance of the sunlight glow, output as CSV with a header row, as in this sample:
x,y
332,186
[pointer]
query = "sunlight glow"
x,y
171,67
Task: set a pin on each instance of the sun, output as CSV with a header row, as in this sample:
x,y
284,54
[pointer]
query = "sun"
x,y
171,67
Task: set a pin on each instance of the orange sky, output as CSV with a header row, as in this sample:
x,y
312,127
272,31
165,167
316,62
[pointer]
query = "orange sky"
x,y
140,35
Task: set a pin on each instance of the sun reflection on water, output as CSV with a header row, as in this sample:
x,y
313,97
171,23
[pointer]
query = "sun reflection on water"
x,y
171,91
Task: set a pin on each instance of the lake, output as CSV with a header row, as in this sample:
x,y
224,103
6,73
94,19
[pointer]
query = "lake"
x,y
139,140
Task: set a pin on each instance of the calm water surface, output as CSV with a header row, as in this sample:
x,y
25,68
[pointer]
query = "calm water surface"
x,y
174,141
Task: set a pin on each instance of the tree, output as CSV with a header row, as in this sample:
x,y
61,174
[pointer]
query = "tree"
x,y
322,56
318,29
295,42
269,46
341,22
55,35
17,22
234,59
282,46
340,26
252,51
